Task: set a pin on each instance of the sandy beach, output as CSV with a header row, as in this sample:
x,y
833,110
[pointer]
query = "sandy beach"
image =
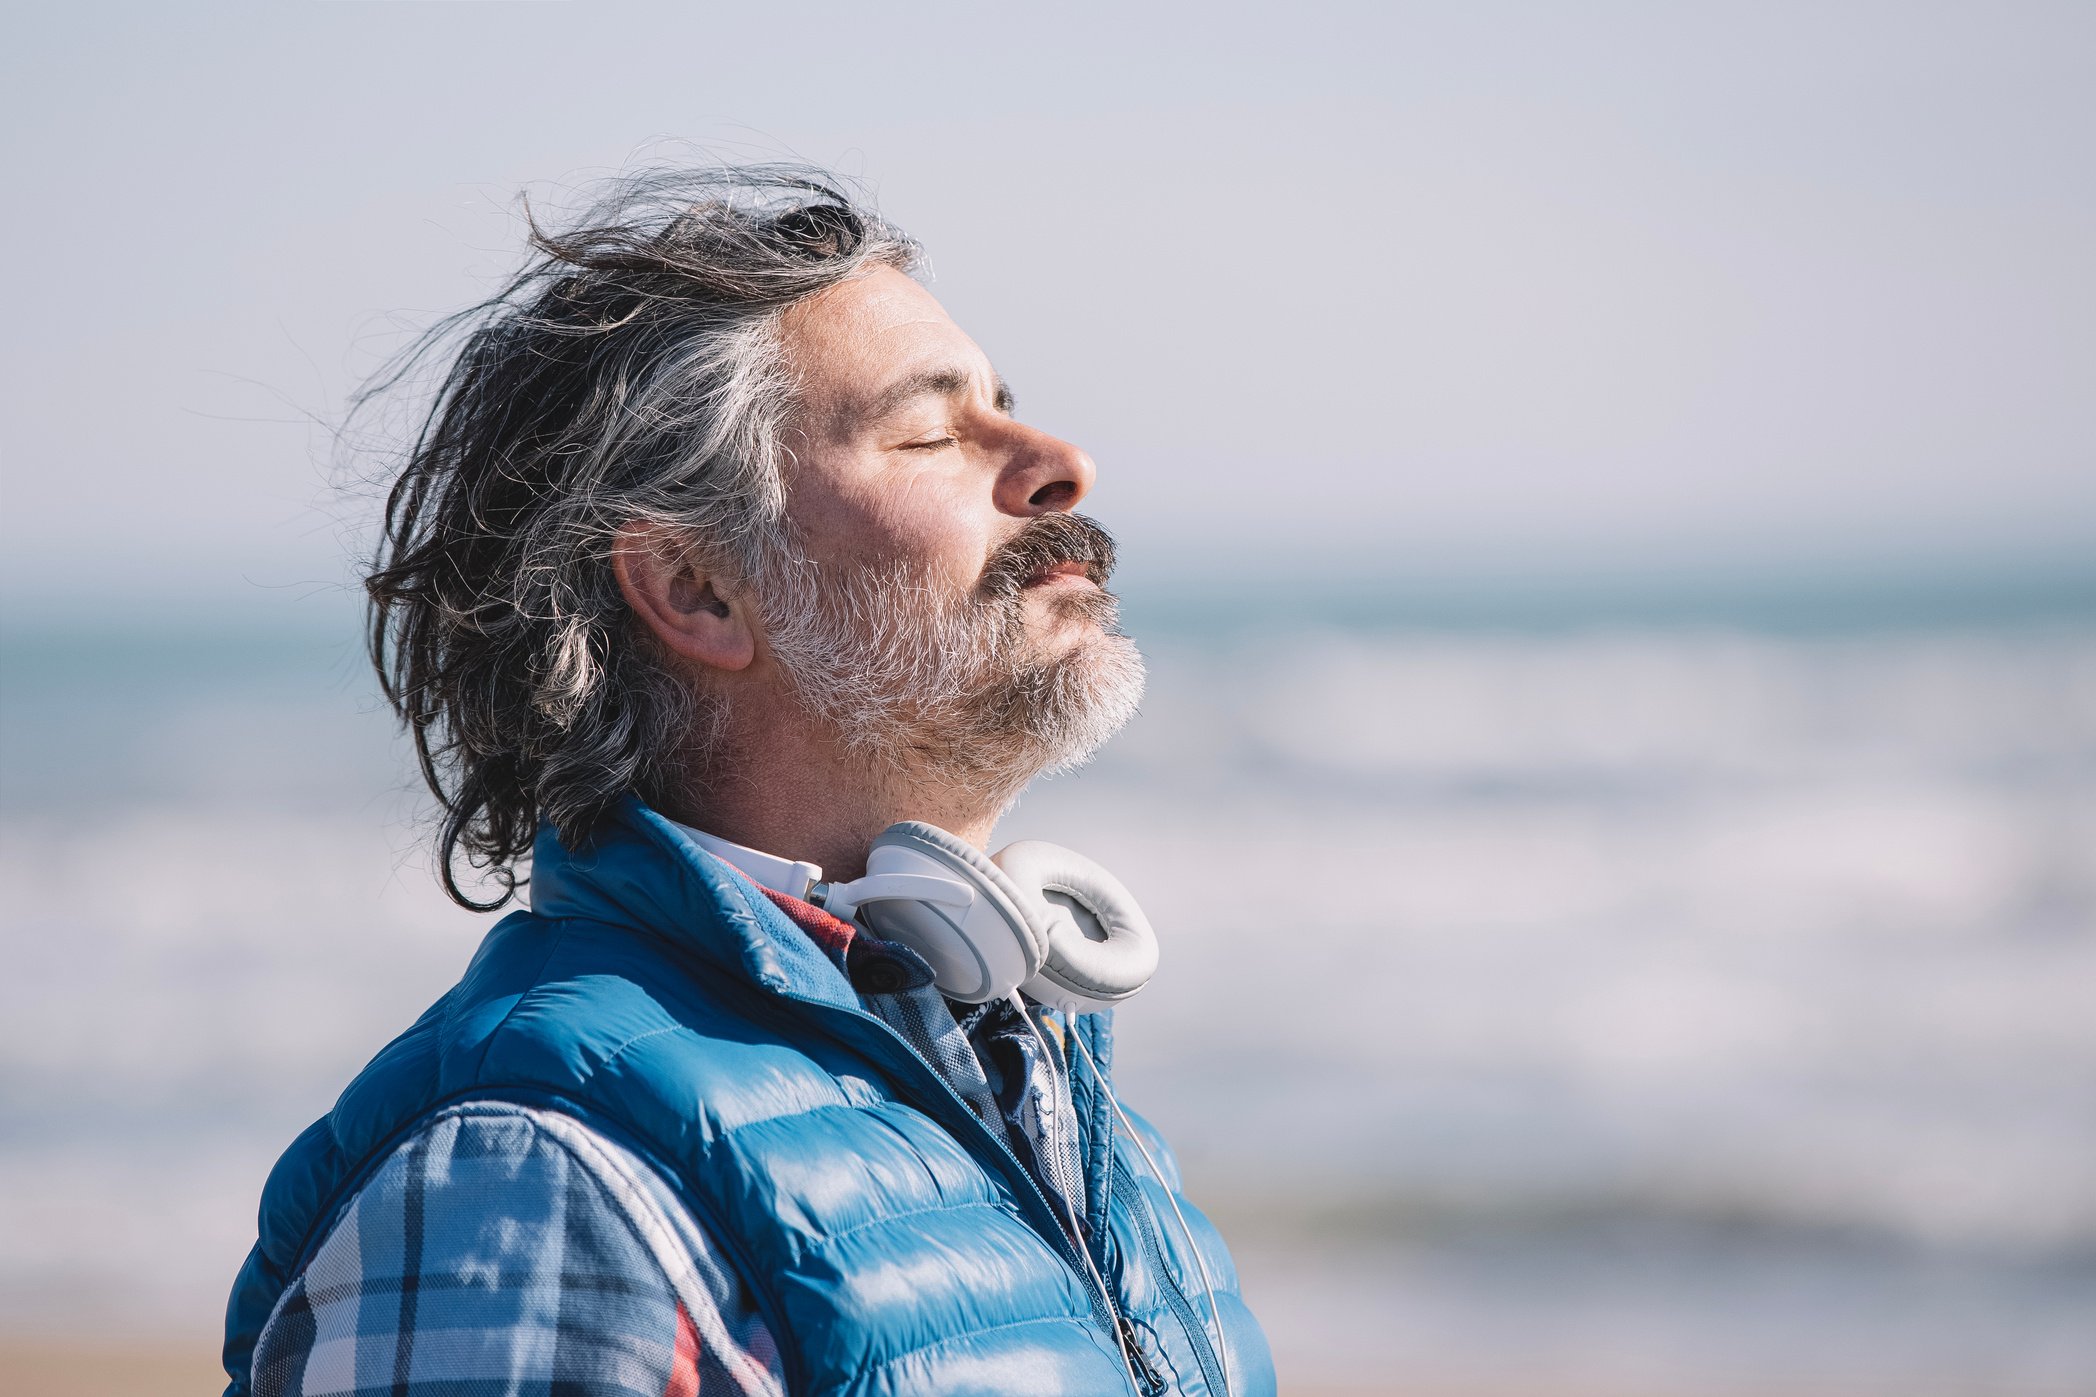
x,y
82,1367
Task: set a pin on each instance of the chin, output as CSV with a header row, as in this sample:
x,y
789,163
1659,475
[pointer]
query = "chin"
x,y
1074,611
1060,635
1095,687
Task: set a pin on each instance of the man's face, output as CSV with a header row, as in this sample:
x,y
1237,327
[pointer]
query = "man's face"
x,y
907,452
942,599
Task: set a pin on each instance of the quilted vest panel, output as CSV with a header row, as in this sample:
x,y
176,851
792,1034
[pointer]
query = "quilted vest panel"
x,y
892,1243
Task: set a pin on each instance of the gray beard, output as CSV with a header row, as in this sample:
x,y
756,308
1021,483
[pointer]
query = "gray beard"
x,y
939,685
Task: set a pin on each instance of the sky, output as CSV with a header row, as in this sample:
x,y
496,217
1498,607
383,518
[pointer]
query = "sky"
x,y
1438,291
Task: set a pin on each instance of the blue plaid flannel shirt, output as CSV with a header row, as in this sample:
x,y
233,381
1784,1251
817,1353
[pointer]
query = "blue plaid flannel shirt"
x,y
509,1250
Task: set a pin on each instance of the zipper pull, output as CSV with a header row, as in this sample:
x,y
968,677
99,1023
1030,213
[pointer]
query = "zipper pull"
x,y
1152,1381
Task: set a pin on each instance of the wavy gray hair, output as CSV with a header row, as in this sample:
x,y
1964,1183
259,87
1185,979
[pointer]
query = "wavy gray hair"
x,y
630,372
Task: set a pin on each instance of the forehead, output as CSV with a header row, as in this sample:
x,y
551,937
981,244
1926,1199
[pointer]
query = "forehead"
x,y
845,344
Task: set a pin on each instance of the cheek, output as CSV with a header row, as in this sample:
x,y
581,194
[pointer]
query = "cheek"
x,y
920,523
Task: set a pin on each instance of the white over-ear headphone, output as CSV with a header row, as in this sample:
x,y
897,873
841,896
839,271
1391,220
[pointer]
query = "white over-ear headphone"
x,y
1036,918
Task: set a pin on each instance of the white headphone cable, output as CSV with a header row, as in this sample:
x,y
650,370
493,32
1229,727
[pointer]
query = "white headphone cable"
x,y
1222,1348
1076,1231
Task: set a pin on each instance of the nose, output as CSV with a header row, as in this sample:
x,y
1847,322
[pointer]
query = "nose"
x,y
1043,474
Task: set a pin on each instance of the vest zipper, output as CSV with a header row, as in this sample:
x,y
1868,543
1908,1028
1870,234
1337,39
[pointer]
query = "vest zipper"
x,y
1146,1380
1145,1219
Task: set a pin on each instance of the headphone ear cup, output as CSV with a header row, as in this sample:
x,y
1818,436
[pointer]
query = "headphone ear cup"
x,y
980,954
1101,949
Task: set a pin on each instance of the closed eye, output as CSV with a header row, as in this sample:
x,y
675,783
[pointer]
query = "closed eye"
x,y
935,444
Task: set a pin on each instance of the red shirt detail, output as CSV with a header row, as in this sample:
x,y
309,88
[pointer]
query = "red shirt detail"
x,y
684,1366
823,929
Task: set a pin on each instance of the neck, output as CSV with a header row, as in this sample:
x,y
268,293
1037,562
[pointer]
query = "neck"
x,y
789,789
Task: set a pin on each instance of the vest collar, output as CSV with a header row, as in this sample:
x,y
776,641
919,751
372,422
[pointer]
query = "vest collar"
x,y
644,871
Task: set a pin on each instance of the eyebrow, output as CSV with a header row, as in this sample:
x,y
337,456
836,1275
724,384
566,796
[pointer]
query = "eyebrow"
x,y
937,383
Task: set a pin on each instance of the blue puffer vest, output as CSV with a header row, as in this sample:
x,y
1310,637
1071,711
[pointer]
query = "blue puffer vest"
x,y
892,1243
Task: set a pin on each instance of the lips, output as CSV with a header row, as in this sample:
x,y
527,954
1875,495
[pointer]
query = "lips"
x,y
1073,572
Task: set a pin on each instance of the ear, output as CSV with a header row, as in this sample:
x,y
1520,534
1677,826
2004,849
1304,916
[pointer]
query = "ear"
x,y
680,600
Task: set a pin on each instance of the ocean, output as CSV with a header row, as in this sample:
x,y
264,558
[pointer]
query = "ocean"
x,y
1672,1004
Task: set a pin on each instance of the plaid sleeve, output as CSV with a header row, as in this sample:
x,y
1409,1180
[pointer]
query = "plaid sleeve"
x,y
508,1250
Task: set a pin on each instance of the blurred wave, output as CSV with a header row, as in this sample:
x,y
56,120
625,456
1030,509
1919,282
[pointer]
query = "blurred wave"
x,y
1657,1007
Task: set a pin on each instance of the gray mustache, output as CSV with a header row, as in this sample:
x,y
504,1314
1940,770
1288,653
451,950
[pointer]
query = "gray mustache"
x,y
1045,542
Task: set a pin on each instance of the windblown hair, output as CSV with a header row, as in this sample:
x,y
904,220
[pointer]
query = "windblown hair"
x,y
630,372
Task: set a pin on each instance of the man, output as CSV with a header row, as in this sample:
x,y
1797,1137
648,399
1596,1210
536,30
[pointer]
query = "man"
x,y
720,567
